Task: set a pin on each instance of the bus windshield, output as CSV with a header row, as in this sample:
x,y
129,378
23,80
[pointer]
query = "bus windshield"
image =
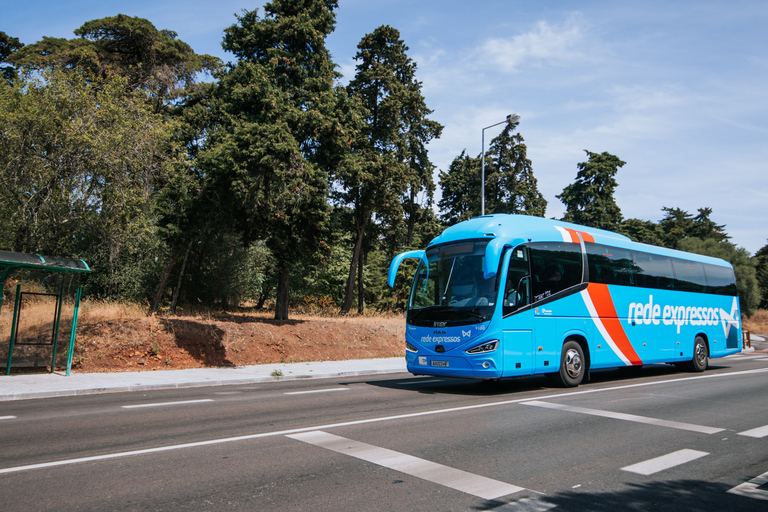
x,y
451,290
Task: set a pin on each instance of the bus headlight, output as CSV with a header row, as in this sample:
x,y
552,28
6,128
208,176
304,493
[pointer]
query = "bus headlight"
x,y
410,348
488,346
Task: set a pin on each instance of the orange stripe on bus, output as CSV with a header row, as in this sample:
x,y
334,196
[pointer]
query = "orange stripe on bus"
x,y
606,311
573,235
587,237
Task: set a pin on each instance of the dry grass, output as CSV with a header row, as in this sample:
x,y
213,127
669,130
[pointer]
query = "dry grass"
x,y
757,323
97,311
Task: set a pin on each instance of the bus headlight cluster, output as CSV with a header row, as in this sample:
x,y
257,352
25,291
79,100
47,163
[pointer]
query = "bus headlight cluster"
x,y
488,346
410,348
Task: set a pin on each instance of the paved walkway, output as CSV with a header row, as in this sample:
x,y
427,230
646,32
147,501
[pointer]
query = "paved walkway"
x,y
44,385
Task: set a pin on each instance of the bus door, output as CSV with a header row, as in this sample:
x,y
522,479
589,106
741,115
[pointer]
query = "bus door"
x,y
517,322
556,273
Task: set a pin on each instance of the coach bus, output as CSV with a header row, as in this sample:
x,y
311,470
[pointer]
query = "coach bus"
x,y
503,296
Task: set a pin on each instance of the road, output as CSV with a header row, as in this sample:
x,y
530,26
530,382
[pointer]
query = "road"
x,y
652,439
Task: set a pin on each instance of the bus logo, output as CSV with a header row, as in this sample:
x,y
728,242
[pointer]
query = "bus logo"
x,y
439,324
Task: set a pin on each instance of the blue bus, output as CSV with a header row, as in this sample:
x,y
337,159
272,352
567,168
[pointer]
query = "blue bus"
x,y
503,296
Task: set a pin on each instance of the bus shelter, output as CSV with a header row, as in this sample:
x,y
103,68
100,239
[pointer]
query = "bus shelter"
x,y
45,292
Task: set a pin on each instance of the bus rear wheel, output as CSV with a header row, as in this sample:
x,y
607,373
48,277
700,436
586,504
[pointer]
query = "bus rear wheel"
x,y
700,360
572,367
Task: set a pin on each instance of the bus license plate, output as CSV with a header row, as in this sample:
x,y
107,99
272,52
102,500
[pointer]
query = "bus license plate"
x,y
440,364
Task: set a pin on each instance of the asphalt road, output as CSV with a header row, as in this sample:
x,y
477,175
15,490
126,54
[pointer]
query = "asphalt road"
x,y
655,439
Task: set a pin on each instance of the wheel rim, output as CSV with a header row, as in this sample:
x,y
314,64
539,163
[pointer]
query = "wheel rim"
x,y
701,354
573,363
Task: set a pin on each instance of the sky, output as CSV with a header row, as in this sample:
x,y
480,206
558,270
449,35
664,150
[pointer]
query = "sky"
x,y
677,90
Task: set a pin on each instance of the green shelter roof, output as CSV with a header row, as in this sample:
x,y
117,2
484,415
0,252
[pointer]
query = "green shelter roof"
x,y
36,261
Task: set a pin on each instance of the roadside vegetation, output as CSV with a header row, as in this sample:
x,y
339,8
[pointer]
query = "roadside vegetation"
x,y
216,196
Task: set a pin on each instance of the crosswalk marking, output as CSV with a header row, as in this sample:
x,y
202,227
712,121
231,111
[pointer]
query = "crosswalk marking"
x,y
627,417
751,489
756,432
457,479
670,460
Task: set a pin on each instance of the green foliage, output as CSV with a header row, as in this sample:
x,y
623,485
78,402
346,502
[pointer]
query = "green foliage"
x,y
643,231
150,59
743,266
389,167
8,45
678,224
761,267
589,200
279,131
78,157
461,189
510,186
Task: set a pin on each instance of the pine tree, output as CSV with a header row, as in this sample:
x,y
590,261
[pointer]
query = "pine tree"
x,y
589,200
510,186
392,165
281,130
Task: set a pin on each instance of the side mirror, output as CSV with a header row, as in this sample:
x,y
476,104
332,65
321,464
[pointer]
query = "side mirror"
x,y
422,255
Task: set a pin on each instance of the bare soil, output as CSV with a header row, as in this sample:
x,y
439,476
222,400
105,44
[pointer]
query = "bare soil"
x,y
231,339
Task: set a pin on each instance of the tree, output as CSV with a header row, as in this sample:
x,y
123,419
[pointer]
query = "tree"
x,y
743,267
151,59
510,186
393,163
461,189
8,45
280,131
78,159
589,200
643,231
678,224
761,267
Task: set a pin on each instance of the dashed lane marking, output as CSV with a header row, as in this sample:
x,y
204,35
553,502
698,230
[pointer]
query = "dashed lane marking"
x,y
525,505
163,404
7,417
670,460
627,417
457,479
329,390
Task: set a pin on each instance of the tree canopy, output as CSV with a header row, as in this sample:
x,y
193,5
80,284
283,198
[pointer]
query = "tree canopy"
x,y
589,199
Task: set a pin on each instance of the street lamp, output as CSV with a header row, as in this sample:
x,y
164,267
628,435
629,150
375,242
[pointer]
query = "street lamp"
x,y
511,119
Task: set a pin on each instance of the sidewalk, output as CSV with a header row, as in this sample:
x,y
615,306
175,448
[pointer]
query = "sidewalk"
x,y
46,385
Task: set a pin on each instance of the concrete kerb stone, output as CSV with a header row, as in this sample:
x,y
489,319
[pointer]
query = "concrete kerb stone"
x,y
19,387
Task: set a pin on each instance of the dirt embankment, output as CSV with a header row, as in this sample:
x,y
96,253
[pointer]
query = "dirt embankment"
x,y
156,343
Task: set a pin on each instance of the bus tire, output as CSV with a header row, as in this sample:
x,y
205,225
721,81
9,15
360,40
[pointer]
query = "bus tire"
x,y
572,365
700,360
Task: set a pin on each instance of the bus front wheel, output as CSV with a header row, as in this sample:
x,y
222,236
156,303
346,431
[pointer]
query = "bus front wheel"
x,y
700,360
572,367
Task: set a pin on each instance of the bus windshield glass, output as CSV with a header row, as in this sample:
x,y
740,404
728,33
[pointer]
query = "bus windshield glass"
x,y
451,290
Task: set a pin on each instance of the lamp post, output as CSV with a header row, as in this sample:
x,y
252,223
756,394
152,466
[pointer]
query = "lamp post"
x,y
511,119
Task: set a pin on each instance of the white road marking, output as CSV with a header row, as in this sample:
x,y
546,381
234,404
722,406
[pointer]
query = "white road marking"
x,y
457,479
756,432
670,460
750,489
744,358
162,404
364,422
7,417
525,505
627,417
316,391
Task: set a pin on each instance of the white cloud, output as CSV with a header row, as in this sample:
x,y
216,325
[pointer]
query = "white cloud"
x,y
552,43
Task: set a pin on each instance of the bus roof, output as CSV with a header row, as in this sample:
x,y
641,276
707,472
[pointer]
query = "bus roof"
x,y
518,229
